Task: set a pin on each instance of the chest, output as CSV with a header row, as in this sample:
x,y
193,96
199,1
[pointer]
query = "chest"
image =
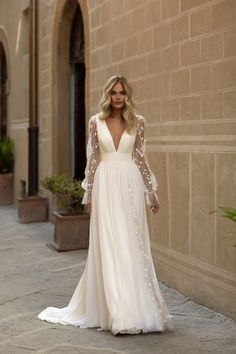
x,y
114,137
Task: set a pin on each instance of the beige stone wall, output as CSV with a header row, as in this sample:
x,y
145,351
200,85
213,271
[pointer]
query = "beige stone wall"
x,y
55,24
180,57
13,35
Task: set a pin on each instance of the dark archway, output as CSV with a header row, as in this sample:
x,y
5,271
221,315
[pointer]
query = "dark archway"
x,y
77,99
3,94
69,83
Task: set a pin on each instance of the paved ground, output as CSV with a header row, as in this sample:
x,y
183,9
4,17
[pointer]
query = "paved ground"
x,y
34,276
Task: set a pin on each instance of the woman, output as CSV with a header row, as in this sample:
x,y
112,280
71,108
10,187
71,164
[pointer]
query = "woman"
x,y
118,290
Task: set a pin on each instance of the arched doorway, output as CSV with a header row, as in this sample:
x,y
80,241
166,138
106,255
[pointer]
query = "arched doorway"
x,y
68,84
3,94
77,99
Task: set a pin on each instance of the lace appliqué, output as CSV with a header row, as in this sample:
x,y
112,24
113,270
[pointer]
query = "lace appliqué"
x,y
93,160
149,179
150,275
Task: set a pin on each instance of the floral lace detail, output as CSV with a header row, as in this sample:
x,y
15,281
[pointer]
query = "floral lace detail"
x,y
150,274
149,179
93,160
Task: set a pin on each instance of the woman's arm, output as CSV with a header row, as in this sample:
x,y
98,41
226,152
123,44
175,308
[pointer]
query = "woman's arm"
x,y
149,179
93,160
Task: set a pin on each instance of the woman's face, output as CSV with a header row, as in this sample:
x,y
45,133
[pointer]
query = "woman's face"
x,y
117,96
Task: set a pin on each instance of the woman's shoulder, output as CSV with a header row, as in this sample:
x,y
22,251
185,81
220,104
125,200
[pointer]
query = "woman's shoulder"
x,y
94,118
140,120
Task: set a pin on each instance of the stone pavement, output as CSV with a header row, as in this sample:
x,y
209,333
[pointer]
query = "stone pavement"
x,y
34,276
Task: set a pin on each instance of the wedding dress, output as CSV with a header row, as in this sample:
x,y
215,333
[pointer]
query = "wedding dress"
x,y
118,290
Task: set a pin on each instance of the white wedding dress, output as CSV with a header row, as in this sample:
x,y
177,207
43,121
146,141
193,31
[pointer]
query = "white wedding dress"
x,y
118,290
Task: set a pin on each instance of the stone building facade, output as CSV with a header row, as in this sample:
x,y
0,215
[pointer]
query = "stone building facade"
x,y
180,57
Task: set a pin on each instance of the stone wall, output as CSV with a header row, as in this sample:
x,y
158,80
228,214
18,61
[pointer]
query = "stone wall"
x,y
13,35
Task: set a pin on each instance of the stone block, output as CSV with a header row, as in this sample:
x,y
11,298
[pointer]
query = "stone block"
x,y
179,190
119,28
189,4
190,53
153,12
161,36
162,85
95,59
106,11
180,82
146,41
144,89
105,56
116,7
180,29
117,51
202,196
102,36
132,46
190,108
95,17
170,58
212,106
160,224
224,74
201,78
170,8
212,47
154,63
100,77
138,20
230,104
149,87
138,67
223,14
230,42
169,109
200,22
153,111
125,68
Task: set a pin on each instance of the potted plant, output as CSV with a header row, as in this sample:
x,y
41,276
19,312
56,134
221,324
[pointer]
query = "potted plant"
x,y
6,170
72,222
229,213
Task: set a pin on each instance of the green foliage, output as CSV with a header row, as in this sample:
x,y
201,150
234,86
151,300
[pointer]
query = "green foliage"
x,y
229,213
69,193
6,155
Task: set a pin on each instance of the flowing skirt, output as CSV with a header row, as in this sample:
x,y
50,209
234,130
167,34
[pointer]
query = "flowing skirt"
x,y
118,290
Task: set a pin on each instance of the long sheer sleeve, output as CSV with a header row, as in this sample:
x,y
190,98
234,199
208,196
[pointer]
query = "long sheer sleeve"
x,y
93,160
149,179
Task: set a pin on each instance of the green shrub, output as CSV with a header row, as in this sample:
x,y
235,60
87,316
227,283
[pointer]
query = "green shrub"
x,y
69,193
6,155
229,213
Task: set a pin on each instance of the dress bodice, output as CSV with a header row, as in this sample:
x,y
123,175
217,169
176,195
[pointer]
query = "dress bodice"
x,y
106,143
131,147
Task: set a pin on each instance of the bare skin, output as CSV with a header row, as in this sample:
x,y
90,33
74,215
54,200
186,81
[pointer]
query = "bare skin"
x,y
116,125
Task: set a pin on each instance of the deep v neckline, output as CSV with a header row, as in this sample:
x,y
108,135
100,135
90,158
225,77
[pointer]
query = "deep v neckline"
x,y
112,137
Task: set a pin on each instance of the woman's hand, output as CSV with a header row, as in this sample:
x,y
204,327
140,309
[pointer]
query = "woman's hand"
x,y
88,208
155,208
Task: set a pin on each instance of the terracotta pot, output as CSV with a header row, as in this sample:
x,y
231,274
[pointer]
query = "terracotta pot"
x,y
32,209
6,188
71,232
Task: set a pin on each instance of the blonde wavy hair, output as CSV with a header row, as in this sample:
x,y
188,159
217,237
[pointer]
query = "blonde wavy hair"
x,y
129,109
